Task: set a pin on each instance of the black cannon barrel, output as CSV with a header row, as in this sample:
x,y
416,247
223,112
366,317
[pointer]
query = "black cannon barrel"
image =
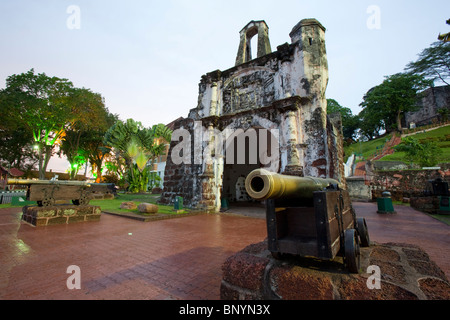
x,y
262,184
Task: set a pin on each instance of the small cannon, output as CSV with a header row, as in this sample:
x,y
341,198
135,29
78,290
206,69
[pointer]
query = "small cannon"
x,y
47,192
309,217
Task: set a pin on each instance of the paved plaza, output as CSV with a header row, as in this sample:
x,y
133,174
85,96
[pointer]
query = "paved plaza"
x,y
181,258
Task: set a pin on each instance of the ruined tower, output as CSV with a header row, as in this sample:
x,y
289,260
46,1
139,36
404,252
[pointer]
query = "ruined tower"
x,y
275,97
246,34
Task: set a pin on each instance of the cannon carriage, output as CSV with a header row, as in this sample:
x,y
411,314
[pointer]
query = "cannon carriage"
x,y
309,217
48,192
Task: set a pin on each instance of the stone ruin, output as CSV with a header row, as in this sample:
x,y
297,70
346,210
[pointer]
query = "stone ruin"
x,y
275,101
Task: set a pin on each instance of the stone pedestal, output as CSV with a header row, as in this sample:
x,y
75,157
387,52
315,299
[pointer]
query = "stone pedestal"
x,y
405,273
60,214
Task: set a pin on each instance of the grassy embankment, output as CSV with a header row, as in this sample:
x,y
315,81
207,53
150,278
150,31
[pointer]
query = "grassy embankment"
x,y
369,148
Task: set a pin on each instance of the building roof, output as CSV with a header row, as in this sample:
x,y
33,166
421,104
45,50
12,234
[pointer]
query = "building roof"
x,y
14,172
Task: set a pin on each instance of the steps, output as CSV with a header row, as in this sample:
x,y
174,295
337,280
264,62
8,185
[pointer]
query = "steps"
x,y
388,148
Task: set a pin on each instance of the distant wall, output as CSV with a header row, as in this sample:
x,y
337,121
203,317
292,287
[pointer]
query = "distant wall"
x,y
400,183
432,100
405,183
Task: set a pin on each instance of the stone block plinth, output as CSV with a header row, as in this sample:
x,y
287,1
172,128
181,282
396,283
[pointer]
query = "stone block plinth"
x,y
60,214
392,271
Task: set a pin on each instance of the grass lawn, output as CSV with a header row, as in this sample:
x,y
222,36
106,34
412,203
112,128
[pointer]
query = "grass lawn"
x,y
442,217
367,148
441,136
113,205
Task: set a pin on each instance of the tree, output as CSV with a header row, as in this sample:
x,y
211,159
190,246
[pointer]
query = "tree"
x,y
425,154
16,148
433,62
371,123
350,122
88,115
95,147
384,105
40,104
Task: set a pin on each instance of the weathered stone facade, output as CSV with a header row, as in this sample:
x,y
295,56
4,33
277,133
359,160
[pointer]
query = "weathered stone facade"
x,y
278,96
429,102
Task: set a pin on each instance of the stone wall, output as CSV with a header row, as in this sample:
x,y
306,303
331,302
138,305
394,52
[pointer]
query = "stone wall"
x,y
405,183
429,103
61,214
428,204
406,273
358,189
280,92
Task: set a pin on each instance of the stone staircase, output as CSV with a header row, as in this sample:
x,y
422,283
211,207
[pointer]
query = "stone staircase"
x,y
388,148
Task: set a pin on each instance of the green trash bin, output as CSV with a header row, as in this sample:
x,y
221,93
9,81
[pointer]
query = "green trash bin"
x,y
178,204
385,203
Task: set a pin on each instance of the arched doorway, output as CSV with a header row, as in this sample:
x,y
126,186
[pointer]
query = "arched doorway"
x,y
243,152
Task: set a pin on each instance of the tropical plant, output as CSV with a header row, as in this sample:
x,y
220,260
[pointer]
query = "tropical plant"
x,y
425,154
138,179
154,181
137,145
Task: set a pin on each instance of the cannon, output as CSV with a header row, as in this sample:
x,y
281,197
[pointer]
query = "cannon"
x,y
47,192
309,217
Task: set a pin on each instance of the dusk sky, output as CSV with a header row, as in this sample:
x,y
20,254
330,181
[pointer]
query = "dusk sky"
x,y
146,57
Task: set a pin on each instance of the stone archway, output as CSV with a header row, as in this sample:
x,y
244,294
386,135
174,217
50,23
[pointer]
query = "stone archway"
x,y
243,154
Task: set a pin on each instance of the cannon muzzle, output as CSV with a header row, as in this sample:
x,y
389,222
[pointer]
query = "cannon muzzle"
x,y
262,184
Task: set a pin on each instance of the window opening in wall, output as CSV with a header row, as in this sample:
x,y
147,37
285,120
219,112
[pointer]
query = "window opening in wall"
x,y
253,47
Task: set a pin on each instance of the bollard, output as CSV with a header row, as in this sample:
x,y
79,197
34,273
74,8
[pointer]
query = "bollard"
x,y
178,204
385,203
224,205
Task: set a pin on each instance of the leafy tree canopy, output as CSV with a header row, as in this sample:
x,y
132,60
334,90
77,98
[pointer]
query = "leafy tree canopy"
x,y
433,63
384,105
39,104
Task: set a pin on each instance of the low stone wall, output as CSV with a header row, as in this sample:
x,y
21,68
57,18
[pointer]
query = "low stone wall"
x,y
406,273
405,183
60,214
425,204
358,189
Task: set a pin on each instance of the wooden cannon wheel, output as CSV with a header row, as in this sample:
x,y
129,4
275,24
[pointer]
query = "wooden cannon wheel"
x,y
46,202
363,232
352,254
84,200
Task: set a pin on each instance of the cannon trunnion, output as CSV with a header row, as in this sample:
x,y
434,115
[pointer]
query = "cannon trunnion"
x,y
309,217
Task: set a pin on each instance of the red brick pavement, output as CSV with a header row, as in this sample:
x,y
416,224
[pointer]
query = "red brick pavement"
x,y
179,258
409,226
120,258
